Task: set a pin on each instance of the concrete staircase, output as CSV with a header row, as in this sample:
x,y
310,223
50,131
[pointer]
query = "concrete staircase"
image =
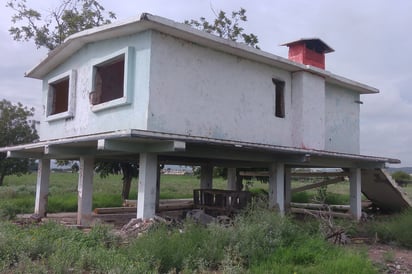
x,y
379,187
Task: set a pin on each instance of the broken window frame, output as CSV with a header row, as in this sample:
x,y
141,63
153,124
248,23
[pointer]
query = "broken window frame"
x,y
126,99
279,98
51,96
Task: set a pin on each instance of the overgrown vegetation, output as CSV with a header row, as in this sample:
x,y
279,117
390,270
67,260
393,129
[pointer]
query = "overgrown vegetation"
x,y
395,229
259,241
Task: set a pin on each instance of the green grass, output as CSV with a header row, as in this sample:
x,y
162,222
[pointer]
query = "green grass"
x,y
258,242
393,229
18,193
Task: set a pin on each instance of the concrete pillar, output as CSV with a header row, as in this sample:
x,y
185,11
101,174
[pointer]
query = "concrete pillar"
x,y
239,181
355,193
158,188
146,193
42,188
288,188
206,177
231,179
85,191
277,187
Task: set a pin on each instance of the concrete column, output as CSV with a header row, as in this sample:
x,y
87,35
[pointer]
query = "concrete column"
x,y
239,181
42,188
288,188
355,193
158,188
85,191
146,194
206,177
231,179
277,187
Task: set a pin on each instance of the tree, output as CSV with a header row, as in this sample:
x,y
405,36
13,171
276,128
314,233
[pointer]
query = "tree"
x,y
128,169
50,30
401,176
226,27
15,128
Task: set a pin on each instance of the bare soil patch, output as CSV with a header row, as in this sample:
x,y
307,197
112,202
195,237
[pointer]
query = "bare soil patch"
x,y
391,259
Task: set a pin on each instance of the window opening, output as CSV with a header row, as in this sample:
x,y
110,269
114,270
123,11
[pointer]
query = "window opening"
x,y
279,98
59,96
108,81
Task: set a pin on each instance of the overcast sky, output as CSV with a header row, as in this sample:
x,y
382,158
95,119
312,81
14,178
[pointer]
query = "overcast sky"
x,y
371,39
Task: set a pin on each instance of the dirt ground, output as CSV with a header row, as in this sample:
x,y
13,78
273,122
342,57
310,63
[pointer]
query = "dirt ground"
x,y
390,259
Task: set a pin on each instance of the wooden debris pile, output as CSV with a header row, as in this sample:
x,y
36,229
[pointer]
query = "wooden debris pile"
x,y
137,227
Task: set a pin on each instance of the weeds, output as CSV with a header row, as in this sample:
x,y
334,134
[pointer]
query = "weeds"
x,y
395,229
258,240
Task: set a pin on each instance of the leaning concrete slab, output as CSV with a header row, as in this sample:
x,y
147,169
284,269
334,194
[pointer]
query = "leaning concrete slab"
x,y
379,187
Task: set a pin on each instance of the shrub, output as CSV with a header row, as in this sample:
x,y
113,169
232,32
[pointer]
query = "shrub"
x,y
394,229
313,255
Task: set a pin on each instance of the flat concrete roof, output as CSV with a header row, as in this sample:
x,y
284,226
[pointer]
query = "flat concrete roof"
x,y
175,148
150,22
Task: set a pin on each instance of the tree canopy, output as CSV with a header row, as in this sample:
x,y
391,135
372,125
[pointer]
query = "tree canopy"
x,y
49,30
227,27
16,128
401,176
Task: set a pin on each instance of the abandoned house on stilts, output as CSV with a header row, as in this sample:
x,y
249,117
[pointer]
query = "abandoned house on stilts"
x,y
161,92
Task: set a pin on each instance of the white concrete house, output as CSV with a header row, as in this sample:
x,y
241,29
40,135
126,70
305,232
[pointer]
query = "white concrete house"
x,y
162,92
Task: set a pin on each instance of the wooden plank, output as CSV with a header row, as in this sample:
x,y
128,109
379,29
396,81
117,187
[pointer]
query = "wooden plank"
x,y
319,206
115,210
319,174
294,174
254,173
365,204
317,212
323,183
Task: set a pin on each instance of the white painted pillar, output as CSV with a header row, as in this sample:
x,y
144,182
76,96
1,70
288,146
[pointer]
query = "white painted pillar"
x,y
231,179
288,188
277,187
355,193
85,191
42,187
147,189
206,177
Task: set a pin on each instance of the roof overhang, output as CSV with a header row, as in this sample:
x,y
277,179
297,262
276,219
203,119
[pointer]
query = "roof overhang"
x,y
150,22
185,149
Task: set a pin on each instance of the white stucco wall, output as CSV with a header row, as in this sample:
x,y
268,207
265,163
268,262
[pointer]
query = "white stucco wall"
x,y
180,87
342,120
308,116
85,121
202,92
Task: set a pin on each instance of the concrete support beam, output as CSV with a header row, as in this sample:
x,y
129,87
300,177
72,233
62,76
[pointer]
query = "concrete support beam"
x,y
288,188
147,188
206,177
42,187
277,187
85,191
231,179
355,193
239,181
158,187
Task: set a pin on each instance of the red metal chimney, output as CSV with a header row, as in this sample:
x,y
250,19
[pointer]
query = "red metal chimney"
x,y
309,51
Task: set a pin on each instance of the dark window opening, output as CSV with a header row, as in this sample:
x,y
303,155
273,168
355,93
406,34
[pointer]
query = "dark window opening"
x,y
279,98
60,96
108,81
